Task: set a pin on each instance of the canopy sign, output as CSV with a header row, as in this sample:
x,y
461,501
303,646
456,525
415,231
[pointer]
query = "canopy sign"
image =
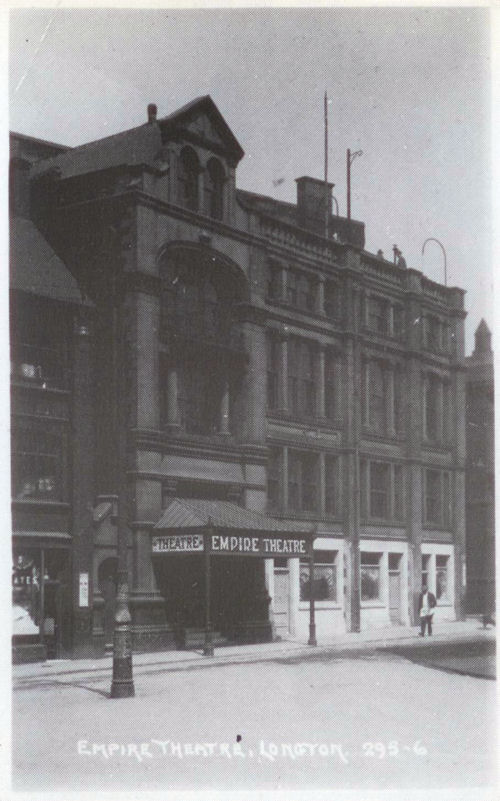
x,y
263,545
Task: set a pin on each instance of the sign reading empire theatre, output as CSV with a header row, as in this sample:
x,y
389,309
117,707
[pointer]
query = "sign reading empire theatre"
x,y
247,545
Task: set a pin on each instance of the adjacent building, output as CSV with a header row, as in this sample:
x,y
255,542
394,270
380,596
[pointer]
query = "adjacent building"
x,y
263,373
480,476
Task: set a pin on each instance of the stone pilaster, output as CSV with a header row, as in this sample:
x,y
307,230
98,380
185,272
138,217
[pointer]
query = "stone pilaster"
x,y
83,454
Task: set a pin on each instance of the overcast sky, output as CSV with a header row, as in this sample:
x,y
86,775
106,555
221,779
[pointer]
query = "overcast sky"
x,y
408,87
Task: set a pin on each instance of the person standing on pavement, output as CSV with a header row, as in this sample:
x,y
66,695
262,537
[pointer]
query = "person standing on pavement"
x,y
426,604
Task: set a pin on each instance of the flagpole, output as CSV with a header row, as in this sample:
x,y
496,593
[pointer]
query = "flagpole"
x,y
327,216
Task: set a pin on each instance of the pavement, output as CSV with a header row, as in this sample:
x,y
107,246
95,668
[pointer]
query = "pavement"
x,y
446,632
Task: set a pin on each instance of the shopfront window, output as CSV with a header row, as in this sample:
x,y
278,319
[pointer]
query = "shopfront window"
x,y
370,576
26,581
40,605
442,579
325,577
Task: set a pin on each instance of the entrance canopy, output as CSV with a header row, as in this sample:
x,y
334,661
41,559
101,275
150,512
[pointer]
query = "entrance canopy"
x,y
190,525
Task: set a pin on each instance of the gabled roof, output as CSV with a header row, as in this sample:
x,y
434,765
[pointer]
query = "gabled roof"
x,y
36,268
194,513
139,145
197,107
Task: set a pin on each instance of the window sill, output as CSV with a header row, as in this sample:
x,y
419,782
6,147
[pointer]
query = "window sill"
x,y
434,526
39,387
395,337
393,436
40,501
373,605
436,444
305,421
319,605
319,315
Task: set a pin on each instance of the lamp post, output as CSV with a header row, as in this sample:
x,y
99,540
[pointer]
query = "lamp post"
x,y
122,685
350,159
433,239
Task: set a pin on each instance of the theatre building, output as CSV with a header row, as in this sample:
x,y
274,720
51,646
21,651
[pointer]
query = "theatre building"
x,y
283,397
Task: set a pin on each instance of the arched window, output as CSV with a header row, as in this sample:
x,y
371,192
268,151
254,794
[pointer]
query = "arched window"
x,y
189,170
214,189
203,363
195,303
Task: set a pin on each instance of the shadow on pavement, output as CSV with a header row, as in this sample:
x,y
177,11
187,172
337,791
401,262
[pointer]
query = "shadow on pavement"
x,y
475,658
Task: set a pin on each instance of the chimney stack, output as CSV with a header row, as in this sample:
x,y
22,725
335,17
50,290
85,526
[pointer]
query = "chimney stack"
x,y
152,112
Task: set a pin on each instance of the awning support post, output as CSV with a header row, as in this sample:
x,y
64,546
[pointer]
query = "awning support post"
x,y
208,649
312,620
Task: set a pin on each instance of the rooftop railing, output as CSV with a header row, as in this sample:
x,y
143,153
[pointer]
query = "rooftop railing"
x,y
297,238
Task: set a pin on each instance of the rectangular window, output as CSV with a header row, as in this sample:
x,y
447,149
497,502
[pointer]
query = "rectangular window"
x,y
331,299
433,496
379,490
332,485
376,397
378,315
446,479
432,333
363,483
301,377
37,461
273,286
398,326
306,292
333,379
307,404
374,391
382,491
437,498
432,411
442,579
274,474
325,577
39,346
273,358
302,482
370,576
398,399
291,288
293,375
398,492
447,412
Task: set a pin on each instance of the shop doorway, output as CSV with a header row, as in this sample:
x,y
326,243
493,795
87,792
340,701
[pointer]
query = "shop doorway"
x,y
281,598
395,588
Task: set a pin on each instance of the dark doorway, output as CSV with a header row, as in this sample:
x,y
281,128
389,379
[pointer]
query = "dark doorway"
x,y
238,595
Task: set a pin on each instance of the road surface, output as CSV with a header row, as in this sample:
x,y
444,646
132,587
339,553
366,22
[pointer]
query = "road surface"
x,y
373,720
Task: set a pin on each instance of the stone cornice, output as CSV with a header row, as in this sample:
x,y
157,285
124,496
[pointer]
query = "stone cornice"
x,y
198,447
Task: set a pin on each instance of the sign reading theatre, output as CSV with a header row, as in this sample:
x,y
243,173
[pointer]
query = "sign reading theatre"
x,y
184,543
259,545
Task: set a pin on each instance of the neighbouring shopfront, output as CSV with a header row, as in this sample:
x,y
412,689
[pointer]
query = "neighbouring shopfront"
x,y
41,599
